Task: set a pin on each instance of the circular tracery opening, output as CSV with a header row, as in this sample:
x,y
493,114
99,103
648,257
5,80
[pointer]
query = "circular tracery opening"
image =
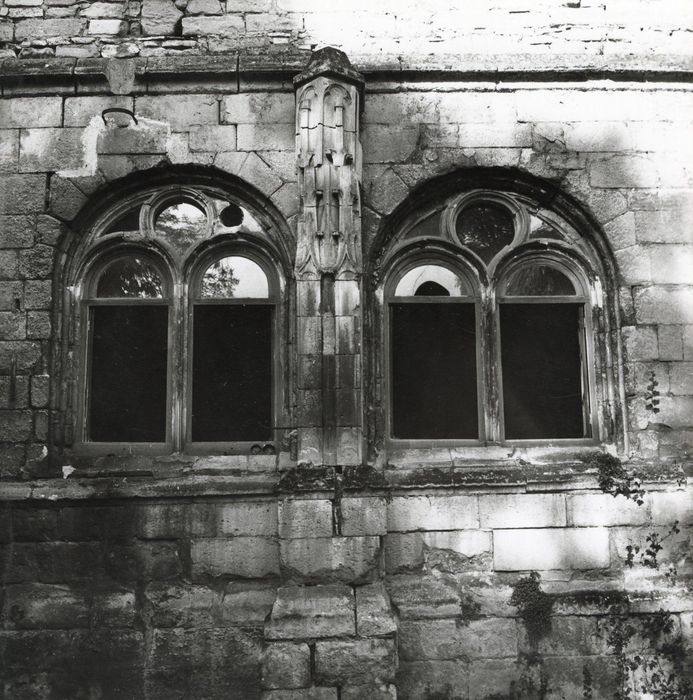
x,y
485,228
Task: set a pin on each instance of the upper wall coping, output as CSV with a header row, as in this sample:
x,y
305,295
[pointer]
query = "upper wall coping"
x,y
232,72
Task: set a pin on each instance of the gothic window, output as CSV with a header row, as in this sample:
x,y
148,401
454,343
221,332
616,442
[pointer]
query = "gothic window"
x,y
488,326
178,291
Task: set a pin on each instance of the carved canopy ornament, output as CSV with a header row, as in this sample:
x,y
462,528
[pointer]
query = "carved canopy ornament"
x,y
328,154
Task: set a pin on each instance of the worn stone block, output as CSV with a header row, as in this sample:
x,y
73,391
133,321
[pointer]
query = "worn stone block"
x,y
468,543
664,225
159,17
9,150
385,144
305,518
114,608
182,605
348,559
681,378
162,521
16,426
227,25
447,639
670,342
11,295
407,513
262,137
551,548
374,616
213,138
634,265
41,606
12,325
104,9
363,516
144,561
312,612
604,509
382,691
255,171
663,305
286,665
493,677
247,604
46,28
621,231
247,518
623,171
522,510
258,108
403,552
180,111
38,294
430,679
140,139
107,27
65,198
38,325
245,557
22,194
302,694
79,111
355,661
36,262
667,507
422,597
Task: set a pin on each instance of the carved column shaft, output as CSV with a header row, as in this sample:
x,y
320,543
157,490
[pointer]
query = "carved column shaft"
x,y
328,260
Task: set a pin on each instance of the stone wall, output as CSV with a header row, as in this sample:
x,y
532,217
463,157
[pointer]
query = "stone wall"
x,y
270,576
400,33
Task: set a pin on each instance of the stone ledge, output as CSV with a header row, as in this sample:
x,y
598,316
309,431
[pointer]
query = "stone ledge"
x,y
44,76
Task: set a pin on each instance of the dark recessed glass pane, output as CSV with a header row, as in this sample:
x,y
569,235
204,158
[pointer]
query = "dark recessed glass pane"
x,y
434,387
485,228
181,224
128,374
542,378
539,280
130,277
430,227
234,277
130,221
232,373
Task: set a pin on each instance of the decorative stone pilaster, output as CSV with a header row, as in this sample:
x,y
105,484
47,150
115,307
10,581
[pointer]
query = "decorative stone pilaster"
x,y
328,259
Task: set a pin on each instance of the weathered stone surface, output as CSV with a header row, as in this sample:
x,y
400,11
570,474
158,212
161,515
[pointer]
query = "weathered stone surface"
x,y
403,552
604,509
382,691
286,665
263,107
348,559
430,679
228,25
180,111
40,606
246,603
432,513
551,548
363,516
523,510
663,305
182,605
374,616
22,194
203,7
312,611
247,518
670,342
421,597
159,17
302,694
447,639
245,557
667,507
305,518
355,661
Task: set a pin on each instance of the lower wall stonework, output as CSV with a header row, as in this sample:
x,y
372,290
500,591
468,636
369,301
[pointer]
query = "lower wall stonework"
x,y
406,595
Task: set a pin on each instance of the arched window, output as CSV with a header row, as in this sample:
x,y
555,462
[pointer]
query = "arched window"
x,y
488,326
178,289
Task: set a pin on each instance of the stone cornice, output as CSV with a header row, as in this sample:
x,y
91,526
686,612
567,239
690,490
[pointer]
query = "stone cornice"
x,y
233,72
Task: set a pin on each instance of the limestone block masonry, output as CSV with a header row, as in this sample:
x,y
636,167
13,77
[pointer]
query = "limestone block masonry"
x,y
336,561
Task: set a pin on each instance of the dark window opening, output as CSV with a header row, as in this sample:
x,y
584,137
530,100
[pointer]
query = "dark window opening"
x,y
232,373
434,376
128,374
485,228
542,372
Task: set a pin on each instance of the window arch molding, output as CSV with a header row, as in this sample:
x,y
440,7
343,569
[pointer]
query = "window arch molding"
x,y
261,238
549,230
